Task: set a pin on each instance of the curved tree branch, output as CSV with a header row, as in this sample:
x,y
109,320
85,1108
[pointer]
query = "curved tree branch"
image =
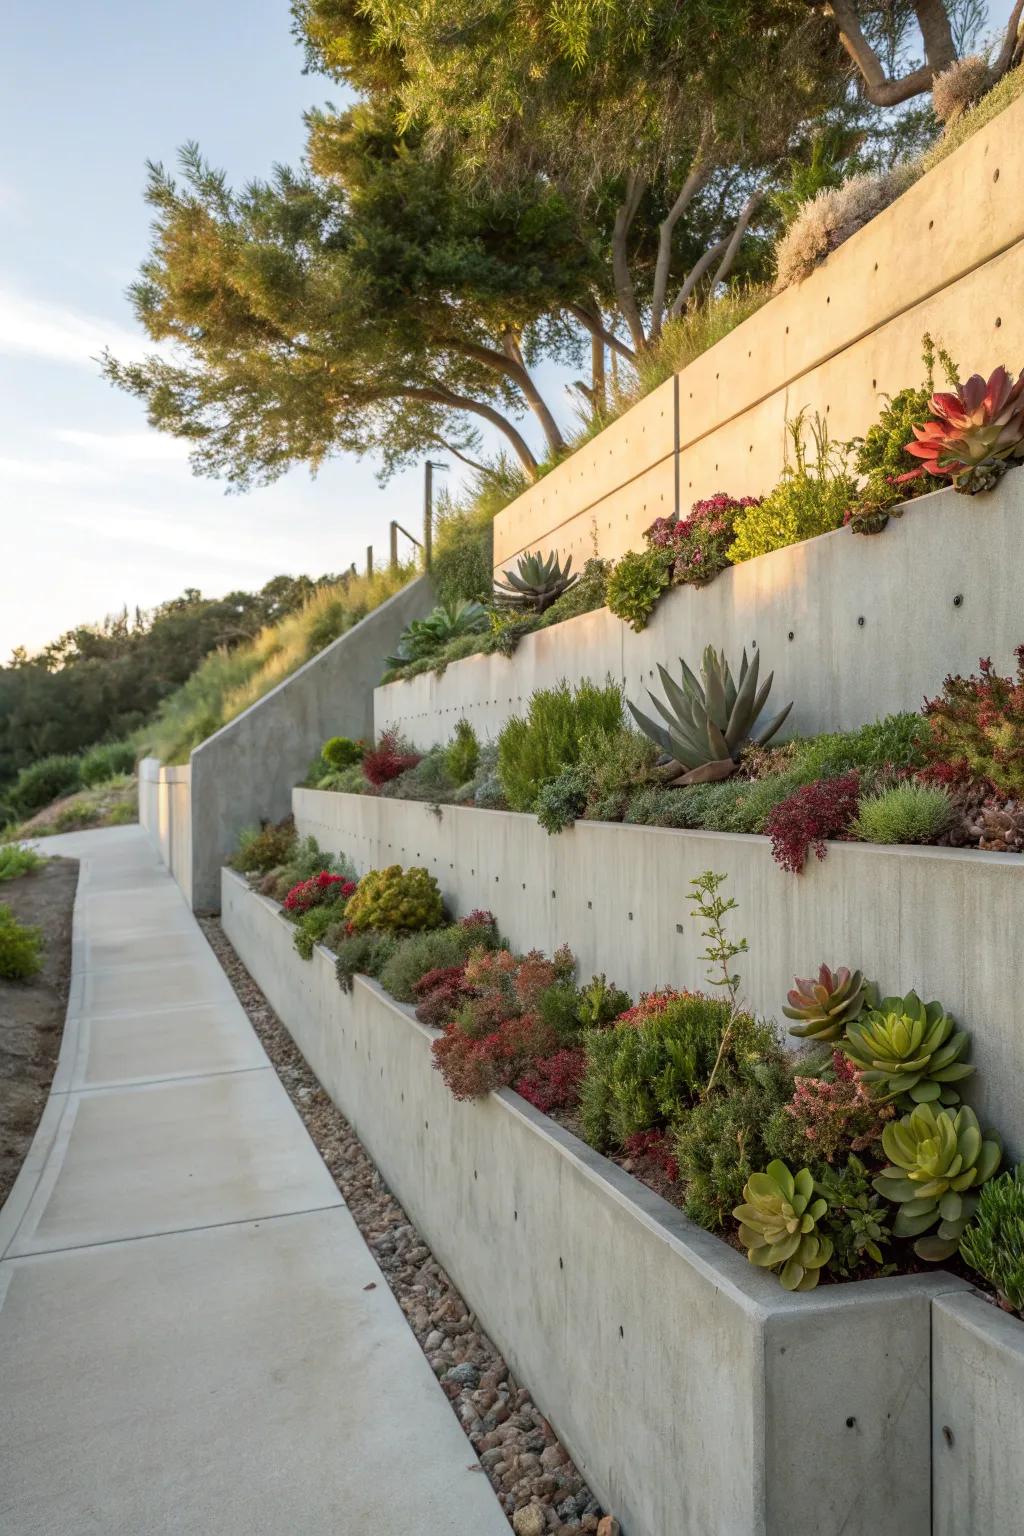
x,y
596,327
438,395
747,212
510,362
697,177
879,89
695,274
1007,53
625,293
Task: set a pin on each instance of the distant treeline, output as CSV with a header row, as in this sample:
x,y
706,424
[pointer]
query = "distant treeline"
x,y
100,682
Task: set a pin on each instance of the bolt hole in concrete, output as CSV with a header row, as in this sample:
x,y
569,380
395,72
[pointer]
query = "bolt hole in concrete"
x,y
995,174
622,1332
947,1434
958,600
851,1421
998,322
561,1264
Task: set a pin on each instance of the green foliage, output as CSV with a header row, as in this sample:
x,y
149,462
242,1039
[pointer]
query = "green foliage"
x,y
424,638
45,781
905,813
641,1075
106,761
589,592
363,954
462,755
536,583
880,456
1003,95
263,848
395,901
636,584
616,763
809,499
723,1139
436,949
16,861
857,1221
560,800
20,947
558,722
463,555
897,742
993,1243
779,1225
689,336
342,752
313,926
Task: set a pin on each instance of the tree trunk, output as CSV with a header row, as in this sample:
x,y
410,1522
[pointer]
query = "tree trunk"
x,y
879,89
442,396
596,326
624,290
534,398
696,178
598,390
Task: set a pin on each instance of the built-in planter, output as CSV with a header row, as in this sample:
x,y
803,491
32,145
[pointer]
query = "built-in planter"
x,y
853,628
977,1417
943,920
694,1393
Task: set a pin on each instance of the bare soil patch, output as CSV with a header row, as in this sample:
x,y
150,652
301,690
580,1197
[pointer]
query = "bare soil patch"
x,y
32,1012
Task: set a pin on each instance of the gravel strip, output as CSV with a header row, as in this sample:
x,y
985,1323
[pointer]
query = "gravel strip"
x,y
533,1476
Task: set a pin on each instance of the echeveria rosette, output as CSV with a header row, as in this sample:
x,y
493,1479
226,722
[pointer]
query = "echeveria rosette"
x,y
935,1158
908,1052
975,433
825,1004
778,1225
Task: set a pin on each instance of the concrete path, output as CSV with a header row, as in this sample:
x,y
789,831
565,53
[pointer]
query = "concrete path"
x,y
194,1338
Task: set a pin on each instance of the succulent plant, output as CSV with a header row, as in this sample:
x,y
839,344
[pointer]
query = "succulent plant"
x,y
535,583
908,1052
999,826
706,728
394,900
935,1157
826,1004
976,432
778,1225
994,1242
448,621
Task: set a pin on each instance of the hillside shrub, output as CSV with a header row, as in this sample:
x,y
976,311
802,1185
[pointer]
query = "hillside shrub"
x,y
263,848
437,950
323,890
342,752
106,761
314,926
636,584
20,947
559,720
810,499
45,781
363,954
462,755
390,757
16,861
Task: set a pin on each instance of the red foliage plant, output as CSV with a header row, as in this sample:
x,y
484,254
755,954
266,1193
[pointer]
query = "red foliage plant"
x,y
478,918
654,1147
698,544
811,815
554,1082
977,728
440,993
322,890
649,1004
388,759
473,1065
837,1116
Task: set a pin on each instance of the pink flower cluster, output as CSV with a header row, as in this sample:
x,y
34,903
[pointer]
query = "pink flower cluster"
x,y
698,545
837,1116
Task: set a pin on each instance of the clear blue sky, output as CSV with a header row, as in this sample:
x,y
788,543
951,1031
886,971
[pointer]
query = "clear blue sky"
x,y
97,510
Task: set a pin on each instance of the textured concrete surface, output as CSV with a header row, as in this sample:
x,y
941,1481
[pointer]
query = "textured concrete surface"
x,y
834,343
244,773
829,617
692,1391
936,919
978,1418
194,1338
165,810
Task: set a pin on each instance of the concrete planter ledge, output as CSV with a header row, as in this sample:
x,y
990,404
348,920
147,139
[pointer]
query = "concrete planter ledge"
x,y
940,920
977,1416
693,1392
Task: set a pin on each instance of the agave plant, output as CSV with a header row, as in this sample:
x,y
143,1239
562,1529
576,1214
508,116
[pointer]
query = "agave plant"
x,y
935,1157
423,637
976,432
907,1051
778,1225
706,728
826,1004
535,583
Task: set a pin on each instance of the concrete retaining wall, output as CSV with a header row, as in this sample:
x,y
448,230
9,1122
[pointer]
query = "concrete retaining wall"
x,y
945,921
165,811
854,628
977,1417
245,772
834,344
693,1392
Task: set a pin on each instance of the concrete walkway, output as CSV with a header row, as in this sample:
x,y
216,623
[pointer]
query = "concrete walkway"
x,y
194,1338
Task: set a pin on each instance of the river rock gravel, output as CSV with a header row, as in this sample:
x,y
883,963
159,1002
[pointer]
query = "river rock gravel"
x,y
539,1488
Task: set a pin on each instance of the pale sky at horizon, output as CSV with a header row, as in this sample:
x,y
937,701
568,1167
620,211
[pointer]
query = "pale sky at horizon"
x,y
97,510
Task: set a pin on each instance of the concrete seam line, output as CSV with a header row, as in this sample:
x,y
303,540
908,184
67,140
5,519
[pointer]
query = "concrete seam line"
x,y
118,1086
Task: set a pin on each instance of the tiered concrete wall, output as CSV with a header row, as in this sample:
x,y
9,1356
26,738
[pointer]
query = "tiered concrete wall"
x,y
694,1394
945,921
853,627
947,257
165,811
